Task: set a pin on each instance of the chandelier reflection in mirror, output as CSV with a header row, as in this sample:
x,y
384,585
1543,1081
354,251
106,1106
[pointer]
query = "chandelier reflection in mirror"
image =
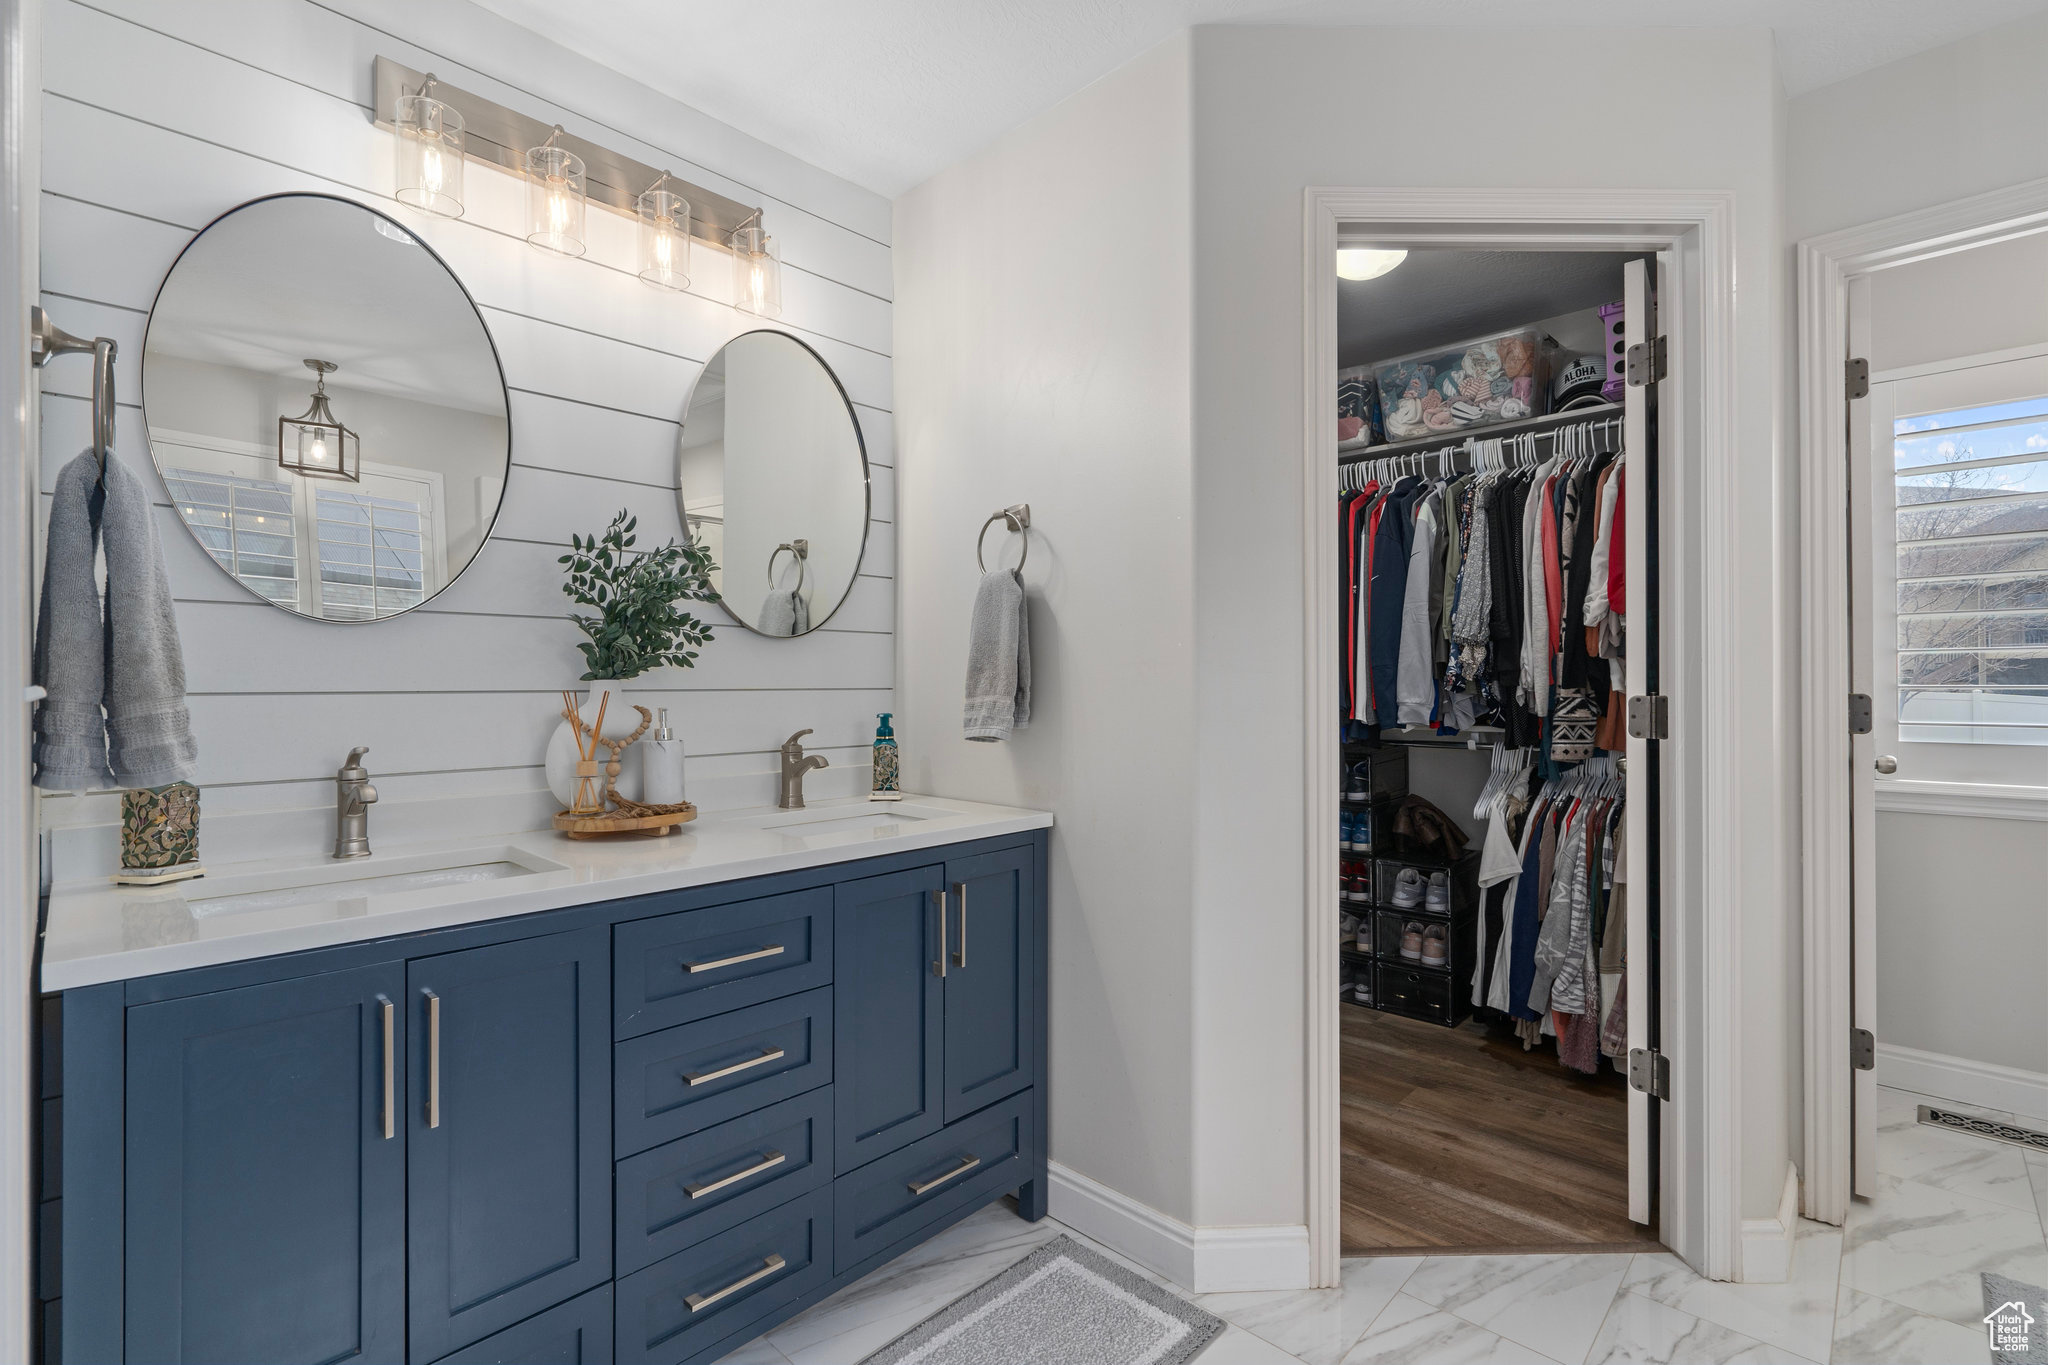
x,y
315,443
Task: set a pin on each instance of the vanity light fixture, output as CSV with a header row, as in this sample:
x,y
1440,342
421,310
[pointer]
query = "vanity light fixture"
x,y
664,237
429,153
756,271
315,443
1366,263
554,198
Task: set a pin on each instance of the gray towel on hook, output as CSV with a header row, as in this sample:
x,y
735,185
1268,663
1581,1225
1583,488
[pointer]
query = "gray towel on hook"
x,y
998,658
115,714
784,613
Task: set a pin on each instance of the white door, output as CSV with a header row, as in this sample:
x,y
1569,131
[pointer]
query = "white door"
x,y
1949,622
1639,446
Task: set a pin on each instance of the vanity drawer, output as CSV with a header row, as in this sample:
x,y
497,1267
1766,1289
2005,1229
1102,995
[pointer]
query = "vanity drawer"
x,y
578,1332
735,1281
683,1080
895,1196
698,963
695,1187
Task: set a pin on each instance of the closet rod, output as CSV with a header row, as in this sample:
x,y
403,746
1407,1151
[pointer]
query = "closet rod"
x,y
1438,440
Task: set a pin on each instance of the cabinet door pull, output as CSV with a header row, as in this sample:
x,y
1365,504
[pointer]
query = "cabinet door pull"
x,y
768,1162
774,950
770,1054
960,953
939,965
699,1302
389,1011
433,1059
967,1163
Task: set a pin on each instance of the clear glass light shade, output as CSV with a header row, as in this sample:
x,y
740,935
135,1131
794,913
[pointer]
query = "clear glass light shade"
x,y
429,155
756,273
1366,263
665,240
554,200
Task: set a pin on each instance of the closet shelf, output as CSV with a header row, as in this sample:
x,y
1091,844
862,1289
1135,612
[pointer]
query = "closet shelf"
x,y
1352,454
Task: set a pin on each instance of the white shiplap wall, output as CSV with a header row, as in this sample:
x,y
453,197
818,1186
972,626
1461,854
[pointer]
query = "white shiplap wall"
x,y
159,115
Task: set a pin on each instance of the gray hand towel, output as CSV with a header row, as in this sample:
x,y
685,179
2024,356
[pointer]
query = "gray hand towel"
x,y
115,714
70,729
998,658
784,613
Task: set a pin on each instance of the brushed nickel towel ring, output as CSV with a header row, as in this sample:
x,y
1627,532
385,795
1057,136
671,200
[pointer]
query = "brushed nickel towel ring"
x,y
1018,518
47,339
799,548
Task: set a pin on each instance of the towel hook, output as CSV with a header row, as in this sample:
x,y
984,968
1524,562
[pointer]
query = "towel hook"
x,y
47,339
1018,519
801,549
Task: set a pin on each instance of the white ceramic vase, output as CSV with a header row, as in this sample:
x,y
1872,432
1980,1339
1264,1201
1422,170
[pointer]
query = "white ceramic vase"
x,y
620,719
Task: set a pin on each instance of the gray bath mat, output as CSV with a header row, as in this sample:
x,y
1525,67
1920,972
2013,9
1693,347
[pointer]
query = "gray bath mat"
x,y
1061,1305
2014,1313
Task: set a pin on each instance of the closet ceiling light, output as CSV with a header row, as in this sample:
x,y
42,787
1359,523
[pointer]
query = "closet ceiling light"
x,y
429,153
1366,263
555,194
315,443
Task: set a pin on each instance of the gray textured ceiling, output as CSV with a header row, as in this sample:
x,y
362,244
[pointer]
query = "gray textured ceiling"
x,y
1437,298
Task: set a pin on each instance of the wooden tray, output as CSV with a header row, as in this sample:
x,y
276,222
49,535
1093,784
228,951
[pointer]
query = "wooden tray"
x,y
618,822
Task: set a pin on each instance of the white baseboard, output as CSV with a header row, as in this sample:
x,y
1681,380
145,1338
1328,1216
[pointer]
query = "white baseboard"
x,y
1767,1242
1961,1080
1203,1260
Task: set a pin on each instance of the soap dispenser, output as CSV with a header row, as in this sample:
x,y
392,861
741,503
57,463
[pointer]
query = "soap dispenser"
x,y
885,762
661,772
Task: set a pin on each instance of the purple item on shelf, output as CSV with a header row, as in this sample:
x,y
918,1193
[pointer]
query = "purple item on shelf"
x,y
1617,352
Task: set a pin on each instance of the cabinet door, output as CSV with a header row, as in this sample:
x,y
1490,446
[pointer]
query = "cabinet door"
x,y
509,1122
887,1007
266,1206
990,972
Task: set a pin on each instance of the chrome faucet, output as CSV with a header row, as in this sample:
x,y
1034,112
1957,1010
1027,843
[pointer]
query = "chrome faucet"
x,y
795,763
353,796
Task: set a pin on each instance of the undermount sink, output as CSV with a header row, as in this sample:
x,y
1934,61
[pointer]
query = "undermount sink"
x,y
276,889
839,820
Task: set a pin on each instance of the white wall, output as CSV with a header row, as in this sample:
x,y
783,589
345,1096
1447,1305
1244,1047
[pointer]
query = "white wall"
x,y
1961,915
1042,291
158,116
1280,109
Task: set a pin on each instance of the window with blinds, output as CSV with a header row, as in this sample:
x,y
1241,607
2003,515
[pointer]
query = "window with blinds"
x,y
1971,525
370,554
248,525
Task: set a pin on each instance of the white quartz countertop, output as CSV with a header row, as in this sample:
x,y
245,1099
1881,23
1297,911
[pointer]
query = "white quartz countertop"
x,y
99,932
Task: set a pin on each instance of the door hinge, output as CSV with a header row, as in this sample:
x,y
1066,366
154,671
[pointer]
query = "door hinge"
x,y
1649,1072
1857,378
1862,1049
1647,362
1649,716
1859,713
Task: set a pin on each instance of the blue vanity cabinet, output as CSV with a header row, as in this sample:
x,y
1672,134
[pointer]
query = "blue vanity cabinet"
x,y
991,970
508,1126
888,1014
643,1130
265,1200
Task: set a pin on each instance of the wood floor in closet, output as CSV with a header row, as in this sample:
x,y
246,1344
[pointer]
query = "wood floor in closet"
x,y
1455,1138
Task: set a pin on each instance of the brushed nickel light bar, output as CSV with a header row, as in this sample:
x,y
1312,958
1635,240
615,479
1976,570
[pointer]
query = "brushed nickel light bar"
x,y
498,136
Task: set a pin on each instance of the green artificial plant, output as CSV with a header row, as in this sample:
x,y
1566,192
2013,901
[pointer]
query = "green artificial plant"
x,y
638,626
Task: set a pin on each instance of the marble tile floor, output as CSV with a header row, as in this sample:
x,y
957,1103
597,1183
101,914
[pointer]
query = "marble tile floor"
x,y
1896,1286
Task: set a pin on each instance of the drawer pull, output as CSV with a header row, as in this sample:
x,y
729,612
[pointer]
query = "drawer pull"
x,y
699,1302
774,950
768,1162
772,1054
967,1163
387,1009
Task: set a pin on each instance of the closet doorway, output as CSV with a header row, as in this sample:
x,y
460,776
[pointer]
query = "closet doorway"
x,y
1684,1100
1484,926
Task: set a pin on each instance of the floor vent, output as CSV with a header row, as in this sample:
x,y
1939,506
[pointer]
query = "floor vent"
x,y
1982,1127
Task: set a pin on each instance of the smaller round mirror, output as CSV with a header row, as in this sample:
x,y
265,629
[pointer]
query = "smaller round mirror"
x,y
772,477
325,407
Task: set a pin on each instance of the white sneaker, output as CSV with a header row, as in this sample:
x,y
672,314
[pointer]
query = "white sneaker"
x,y
1408,889
1438,895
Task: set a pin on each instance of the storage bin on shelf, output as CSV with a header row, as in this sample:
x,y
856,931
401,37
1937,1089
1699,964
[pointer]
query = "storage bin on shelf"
x,y
1499,378
1358,408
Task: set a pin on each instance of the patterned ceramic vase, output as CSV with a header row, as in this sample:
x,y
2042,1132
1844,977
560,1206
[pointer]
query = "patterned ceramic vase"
x,y
160,826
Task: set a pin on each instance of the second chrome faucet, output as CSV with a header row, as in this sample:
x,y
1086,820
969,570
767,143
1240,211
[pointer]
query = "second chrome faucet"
x,y
795,763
